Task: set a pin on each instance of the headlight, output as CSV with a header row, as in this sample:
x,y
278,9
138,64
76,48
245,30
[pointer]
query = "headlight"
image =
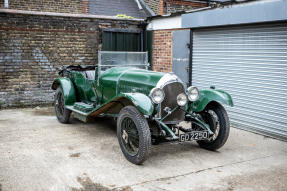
x,y
192,93
157,95
181,99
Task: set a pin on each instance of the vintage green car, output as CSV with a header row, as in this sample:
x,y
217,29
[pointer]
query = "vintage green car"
x,y
149,106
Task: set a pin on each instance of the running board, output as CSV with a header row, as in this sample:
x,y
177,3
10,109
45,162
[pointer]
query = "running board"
x,y
80,110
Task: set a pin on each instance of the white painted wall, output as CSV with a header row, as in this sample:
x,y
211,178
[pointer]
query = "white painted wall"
x,y
165,23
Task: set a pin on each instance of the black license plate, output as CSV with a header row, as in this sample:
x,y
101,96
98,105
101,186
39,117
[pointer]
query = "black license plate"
x,y
194,135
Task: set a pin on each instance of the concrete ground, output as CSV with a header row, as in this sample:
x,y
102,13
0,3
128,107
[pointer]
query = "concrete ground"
x,y
39,153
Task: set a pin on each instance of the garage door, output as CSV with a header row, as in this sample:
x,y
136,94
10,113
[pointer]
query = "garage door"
x,y
251,64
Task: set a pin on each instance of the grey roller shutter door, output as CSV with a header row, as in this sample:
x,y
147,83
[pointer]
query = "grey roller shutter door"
x,y
251,64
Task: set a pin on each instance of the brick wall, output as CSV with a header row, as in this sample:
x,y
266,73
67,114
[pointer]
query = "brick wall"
x,y
178,5
161,7
162,50
154,5
32,47
60,6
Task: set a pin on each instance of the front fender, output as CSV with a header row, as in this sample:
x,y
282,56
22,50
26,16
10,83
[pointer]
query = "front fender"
x,y
209,95
68,90
142,102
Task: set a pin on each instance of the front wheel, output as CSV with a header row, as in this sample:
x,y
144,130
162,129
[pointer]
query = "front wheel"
x,y
133,135
216,117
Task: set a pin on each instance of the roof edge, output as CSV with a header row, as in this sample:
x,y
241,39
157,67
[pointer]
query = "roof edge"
x,y
147,7
54,14
244,13
179,13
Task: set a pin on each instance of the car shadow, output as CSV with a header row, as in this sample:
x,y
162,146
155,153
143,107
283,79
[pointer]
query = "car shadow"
x,y
102,124
170,149
108,127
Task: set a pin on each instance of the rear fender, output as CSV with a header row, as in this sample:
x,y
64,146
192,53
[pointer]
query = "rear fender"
x,y
68,90
208,96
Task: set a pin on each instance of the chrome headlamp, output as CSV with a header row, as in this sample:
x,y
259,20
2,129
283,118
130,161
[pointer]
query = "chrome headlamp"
x,y
192,93
157,95
181,99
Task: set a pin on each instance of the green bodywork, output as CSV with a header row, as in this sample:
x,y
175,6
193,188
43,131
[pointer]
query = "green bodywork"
x,y
118,84
141,101
121,86
68,90
119,80
208,96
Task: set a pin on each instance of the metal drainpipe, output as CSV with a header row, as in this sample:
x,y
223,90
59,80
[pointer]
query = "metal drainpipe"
x,y
142,40
6,4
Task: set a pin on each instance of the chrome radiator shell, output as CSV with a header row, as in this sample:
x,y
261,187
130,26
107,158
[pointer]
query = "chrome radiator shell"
x,y
172,87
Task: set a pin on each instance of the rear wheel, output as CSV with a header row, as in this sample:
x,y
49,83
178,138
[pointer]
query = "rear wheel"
x,y
216,117
133,135
62,113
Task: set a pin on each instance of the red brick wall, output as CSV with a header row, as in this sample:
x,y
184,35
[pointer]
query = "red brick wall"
x,y
179,5
161,8
173,6
162,50
154,5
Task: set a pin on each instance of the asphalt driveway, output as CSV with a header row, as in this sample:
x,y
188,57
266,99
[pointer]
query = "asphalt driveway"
x,y
39,153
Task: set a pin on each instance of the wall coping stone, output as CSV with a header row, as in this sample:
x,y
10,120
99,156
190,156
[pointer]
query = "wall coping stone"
x,y
54,14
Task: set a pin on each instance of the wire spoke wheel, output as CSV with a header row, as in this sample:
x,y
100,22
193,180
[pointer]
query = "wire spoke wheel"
x,y
133,135
216,117
214,124
130,136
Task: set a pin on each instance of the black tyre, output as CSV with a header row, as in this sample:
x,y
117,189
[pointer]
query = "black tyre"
x,y
216,117
133,135
62,113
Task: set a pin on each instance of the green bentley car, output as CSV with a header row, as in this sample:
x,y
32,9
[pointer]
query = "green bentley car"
x,y
150,107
